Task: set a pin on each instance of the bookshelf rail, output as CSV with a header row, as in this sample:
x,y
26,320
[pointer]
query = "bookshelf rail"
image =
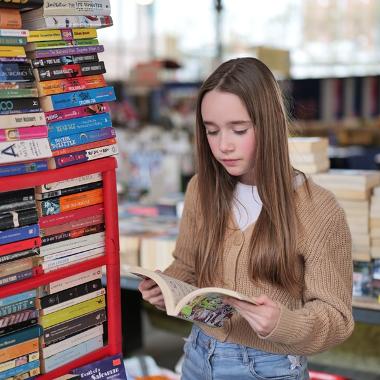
x,y
107,167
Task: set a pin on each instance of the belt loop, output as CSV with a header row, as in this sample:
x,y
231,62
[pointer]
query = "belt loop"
x,y
245,356
195,334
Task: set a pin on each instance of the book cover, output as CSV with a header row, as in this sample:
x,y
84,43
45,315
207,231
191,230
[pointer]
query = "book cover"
x,y
20,297
22,195
19,105
57,52
17,350
88,146
18,317
188,302
16,72
15,85
31,46
19,276
18,326
70,140
78,98
108,368
65,60
52,87
27,133
69,190
18,255
14,32
23,168
16,266
12,41
19,218
24,150
12,51
21,233
12,93
7,249
69,7
22,120
20,336
73,326
61,34
76,112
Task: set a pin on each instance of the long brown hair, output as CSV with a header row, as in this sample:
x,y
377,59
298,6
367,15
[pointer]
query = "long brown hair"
x,y
273,241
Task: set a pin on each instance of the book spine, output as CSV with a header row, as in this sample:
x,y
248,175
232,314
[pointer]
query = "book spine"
x,y
10,19
53,87
78,98
65,60
21,233
23,245
14,219
18,93
72,341
69,190
78,125
70,216
61,331
49,301
31,375
17,350
17,205
82,156
13,32
69,7
12,41
18,306
69,202
71,354
20,336
61,34
17,195
76,112
12,51
18,326
72,312
73,50
16,72
13,60
24,150
19,317
69,71
16,277
23,168
88,146
18,255
17,298
16,85
77,21
60,44
71,182
81,138
19,105
16,267
20,369
28,133
19,361
22,120
73,234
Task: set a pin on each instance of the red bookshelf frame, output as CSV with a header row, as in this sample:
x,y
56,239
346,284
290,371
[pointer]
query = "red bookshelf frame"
x,y
107,167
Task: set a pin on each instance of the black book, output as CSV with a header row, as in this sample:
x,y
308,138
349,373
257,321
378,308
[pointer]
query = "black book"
x,y
20,218
16,72
17,196
19,105
18,326
65,60
68,294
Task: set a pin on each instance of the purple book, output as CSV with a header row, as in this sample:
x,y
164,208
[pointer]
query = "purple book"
x,y
72,50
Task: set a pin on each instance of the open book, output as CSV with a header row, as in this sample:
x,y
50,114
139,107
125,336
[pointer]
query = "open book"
x,y
188,302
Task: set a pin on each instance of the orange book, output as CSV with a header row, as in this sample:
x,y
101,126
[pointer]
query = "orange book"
x,y
78,148
9,353
10,19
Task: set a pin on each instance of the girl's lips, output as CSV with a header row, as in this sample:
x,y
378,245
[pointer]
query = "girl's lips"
x,y
230,162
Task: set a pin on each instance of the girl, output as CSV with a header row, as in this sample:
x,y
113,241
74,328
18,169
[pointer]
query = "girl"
x,y
254,224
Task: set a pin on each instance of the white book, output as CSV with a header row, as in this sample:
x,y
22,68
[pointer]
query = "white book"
x,y
308,144
24,150
72,341
14,33
71,182
71,281
73,262
66,245
74,251
367,178
21,120
74,301
308,158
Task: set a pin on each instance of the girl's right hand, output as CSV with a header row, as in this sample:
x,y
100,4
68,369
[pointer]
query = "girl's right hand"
x,y
152,293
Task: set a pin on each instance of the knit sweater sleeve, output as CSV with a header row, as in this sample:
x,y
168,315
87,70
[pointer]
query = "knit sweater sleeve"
x,y
325,319
182,268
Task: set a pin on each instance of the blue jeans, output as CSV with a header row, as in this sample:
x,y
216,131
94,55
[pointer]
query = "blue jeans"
x,y
208,359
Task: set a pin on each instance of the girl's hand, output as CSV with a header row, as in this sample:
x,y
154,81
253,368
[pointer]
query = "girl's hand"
x,y
262,317
152,293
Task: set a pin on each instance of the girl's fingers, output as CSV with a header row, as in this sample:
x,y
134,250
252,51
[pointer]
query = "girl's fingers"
x,y
153,292
146,285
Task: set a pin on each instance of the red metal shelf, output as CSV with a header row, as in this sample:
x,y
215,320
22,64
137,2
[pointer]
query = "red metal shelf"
x,y
107,167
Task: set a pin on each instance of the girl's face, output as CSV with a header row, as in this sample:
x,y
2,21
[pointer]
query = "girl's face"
x,y
230,133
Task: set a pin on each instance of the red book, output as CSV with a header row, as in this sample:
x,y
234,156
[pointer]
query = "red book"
x,y
21,245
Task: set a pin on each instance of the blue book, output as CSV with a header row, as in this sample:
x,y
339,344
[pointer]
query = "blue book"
x,y
20,233
20,336
19,369
110,367
81,138
71,354
78,98
18,297
23,168
18,306
15,277
78,125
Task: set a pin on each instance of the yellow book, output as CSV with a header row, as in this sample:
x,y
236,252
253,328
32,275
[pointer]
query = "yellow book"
x,y
73,312
61,34
12,51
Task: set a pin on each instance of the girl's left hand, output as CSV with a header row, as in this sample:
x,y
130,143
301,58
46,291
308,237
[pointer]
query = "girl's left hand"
x,y
262,317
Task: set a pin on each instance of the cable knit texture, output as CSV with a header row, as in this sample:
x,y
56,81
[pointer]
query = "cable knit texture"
x,y
315,320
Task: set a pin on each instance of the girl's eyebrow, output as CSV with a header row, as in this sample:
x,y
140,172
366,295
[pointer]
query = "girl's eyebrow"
x,y
230,123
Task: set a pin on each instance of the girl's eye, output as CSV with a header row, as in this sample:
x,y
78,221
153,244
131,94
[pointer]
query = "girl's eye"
x,y
241,132
211,133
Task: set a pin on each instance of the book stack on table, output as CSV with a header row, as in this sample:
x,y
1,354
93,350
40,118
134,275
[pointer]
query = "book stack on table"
x,y
70,82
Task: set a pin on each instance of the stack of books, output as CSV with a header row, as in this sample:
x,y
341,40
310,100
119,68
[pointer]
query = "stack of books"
x,y
73,92
71,221
72,312
309,154
375,223
24,145
353,190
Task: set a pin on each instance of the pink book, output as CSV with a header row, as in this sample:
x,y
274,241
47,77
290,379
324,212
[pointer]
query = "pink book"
x,y
27,133
72,113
